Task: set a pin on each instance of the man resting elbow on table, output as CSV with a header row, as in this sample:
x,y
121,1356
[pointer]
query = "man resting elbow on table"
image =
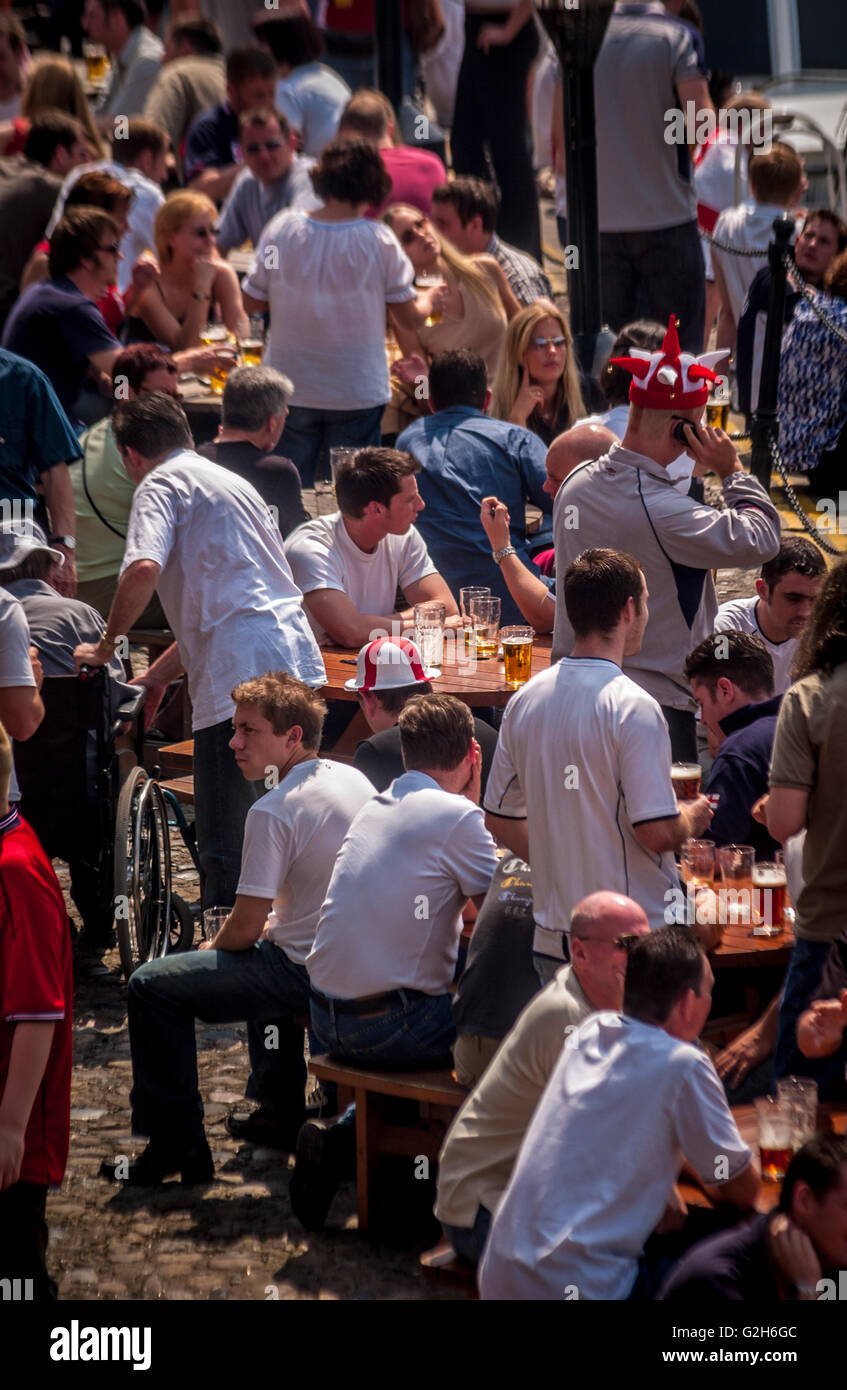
x,y
349,565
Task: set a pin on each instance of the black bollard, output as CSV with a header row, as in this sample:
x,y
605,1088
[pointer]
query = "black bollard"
x,y
577,28
765,425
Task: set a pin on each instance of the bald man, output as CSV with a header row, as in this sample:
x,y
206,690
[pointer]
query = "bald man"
x,y
581,444
478,1155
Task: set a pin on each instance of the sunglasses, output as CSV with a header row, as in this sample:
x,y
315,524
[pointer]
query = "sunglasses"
x,y
113,246
256,146
542,343
203,231
411,232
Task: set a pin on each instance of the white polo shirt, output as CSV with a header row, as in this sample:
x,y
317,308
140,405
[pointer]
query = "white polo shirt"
x,y
625,1105
291,839
584,755
322,555
392,916
225,584
739,615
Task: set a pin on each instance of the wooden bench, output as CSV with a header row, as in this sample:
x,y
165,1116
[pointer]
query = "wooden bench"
x,y
436,1093
182,788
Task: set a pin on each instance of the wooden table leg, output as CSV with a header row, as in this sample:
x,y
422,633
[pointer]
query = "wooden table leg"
x,y
368,1121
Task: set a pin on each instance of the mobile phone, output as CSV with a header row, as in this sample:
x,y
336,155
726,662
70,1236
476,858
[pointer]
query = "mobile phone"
x,y
678,431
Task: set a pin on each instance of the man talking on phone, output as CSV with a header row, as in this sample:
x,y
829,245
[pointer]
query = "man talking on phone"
x,y
626,500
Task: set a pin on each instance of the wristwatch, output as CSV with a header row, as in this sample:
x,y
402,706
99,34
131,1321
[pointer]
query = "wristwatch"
x,y
498,555
69,542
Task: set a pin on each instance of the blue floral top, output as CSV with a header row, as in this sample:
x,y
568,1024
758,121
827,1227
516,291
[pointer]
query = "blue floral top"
x,y
812,401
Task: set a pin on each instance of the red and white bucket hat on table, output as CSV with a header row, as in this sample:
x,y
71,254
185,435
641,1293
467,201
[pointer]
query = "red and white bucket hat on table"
x,y
388,663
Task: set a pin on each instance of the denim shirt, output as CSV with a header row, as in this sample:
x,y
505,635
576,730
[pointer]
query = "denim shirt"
x,y
465,456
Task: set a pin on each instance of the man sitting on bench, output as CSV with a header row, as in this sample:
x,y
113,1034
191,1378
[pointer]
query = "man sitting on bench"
x,y
388,937
291,839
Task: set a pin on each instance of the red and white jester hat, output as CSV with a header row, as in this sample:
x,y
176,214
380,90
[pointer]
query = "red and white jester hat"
x,y
670,379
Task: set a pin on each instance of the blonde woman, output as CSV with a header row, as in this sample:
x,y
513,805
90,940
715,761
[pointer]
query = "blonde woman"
x,y
52,85
192,280
538,383
479,301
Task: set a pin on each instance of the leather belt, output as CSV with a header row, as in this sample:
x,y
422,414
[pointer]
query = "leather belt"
x,y
371,1003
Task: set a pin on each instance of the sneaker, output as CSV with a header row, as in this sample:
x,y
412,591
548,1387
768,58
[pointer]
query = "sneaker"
x,y
326,1154
263,1128
195,1165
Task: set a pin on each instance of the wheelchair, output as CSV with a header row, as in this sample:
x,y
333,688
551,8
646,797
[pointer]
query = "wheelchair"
x,y
91,802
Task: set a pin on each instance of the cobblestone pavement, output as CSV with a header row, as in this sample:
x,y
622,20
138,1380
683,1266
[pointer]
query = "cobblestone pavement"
x,y
236,1238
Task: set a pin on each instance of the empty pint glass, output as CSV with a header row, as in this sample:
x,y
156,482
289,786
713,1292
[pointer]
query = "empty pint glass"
x,y
429,632
686,778
517,654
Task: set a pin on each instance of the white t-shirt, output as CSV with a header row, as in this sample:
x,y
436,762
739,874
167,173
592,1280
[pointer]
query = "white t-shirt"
x,y
392,916
749,227
739,615
15,665
291,838
327,285
225,583
483,1141
323,556
313,97
625,1104
147,198
584,755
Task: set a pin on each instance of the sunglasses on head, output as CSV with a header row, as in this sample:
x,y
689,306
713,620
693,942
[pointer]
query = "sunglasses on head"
x,y
541,343
256,146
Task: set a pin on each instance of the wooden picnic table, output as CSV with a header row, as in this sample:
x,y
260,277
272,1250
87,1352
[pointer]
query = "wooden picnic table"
x,y
740,948
831,1119
479,686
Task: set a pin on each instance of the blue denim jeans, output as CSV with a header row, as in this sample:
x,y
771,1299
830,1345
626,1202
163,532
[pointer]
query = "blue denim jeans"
x,y
310,434
801,984
469,1241
260,985
417,1033
222,799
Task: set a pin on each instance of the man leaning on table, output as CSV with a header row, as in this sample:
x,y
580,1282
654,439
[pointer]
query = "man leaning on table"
x,y
350,565
204,539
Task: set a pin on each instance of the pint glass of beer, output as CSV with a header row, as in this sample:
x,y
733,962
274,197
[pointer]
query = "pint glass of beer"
x,y
717,407
769,898
224,363
487,614
430,282
776,1134
517,654
96,63
736,895
686,779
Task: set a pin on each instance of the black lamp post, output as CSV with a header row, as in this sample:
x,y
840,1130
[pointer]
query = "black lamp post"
x,y
389,50
765,425
577,28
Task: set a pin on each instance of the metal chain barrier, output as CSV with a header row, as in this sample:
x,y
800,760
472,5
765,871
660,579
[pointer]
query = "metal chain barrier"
x,y
794,502
724,246
808,294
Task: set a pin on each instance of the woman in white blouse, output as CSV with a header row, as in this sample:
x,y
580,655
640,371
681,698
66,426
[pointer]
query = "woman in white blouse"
x,y
325,277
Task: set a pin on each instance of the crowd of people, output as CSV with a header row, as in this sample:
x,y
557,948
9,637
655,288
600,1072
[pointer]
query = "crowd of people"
x,y
407,319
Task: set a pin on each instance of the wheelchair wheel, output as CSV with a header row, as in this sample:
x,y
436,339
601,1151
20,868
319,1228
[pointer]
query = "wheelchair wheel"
x,y
142,872
181,931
